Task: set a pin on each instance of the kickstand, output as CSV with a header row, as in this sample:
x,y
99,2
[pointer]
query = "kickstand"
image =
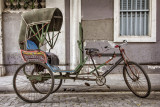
x,y
108,86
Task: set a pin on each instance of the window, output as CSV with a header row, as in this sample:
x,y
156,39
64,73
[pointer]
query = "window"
x,y
135,20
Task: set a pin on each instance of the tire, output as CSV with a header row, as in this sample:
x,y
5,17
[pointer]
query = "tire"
x,y
24,79
134,80
57,82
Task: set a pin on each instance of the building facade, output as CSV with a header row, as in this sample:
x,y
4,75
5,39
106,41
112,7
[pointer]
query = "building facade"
x,y
136,21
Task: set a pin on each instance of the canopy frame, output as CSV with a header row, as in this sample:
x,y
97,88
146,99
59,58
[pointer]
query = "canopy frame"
x,y
39,30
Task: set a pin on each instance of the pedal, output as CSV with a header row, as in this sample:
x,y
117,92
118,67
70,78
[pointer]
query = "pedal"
x,y
87,84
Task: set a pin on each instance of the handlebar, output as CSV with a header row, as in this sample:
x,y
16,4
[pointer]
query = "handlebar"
x,y
124,43
117,45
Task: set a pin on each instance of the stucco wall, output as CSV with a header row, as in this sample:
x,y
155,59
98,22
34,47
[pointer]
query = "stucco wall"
x,y
97,19
11,28
98,29
2,67
94,10
97,9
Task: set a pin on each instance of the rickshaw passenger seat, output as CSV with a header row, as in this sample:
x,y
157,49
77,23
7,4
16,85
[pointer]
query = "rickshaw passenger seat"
x,y
52,58
31,45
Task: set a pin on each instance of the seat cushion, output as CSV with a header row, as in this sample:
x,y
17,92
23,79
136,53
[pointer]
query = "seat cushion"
x,y
31,45
52,58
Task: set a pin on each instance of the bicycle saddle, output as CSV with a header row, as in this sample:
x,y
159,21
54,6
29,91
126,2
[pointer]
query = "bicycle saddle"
x,y
92,50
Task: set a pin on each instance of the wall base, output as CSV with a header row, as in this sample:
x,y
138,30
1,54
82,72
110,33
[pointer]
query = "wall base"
x,y
2,71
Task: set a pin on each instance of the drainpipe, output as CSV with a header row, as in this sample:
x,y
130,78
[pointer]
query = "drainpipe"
x,y
75,19
2,67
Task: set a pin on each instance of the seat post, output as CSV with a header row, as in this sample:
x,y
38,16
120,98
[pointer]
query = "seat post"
x,y
94,64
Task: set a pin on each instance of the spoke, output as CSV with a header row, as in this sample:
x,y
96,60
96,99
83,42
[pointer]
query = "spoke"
x,y
138,86
36,90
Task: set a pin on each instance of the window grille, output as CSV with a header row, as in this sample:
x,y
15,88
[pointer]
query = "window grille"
x,y
134,17
24,4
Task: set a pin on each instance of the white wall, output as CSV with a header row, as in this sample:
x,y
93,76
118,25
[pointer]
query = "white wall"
x,y
59,48
75,19
2,68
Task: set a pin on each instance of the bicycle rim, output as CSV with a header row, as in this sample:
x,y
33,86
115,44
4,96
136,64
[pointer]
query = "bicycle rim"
x,y
23,82
136,79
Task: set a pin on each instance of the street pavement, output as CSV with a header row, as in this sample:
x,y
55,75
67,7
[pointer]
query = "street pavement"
x,y
76,94
114,81
85,99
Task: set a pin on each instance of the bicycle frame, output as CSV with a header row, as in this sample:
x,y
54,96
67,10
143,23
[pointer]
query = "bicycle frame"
x,y
103,64
81,65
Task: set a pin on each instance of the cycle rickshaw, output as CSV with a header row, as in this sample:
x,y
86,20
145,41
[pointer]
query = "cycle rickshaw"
x,y
40,75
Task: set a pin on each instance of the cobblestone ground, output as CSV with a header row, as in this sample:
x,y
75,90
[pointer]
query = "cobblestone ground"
x,y
92,99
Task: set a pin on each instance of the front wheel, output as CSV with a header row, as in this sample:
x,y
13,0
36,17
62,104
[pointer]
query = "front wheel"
x,y
137,79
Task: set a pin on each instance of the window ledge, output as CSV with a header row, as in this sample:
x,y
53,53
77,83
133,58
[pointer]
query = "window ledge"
x,y
135,39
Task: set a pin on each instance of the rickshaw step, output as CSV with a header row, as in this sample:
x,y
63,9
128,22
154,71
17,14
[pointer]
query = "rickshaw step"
x,y
63,71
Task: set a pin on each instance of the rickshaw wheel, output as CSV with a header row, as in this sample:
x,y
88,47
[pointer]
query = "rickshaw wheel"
x,y
57,82
24,78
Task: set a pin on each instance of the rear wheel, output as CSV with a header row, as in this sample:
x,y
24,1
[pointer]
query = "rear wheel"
x,y
57,81
31,75
136,79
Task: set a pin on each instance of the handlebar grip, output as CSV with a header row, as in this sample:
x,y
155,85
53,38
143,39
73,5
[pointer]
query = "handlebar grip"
x,y
117,46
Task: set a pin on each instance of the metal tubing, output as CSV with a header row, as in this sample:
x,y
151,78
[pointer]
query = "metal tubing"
x,y
94,65
122,19
117,63
127,19
79,67
35,34
38,31
106,54
42,34
131,17
141,17
98,67
136,19
145,10
145,27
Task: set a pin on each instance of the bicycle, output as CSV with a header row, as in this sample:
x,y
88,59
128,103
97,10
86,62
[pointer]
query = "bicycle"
x,y
133,75
37,78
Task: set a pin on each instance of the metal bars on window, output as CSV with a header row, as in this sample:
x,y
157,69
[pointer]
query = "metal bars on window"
x,y
134,17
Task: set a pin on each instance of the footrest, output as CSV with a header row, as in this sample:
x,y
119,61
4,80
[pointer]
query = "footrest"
x,y
63,71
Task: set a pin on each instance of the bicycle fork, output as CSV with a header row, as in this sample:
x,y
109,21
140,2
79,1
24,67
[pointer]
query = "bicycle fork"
x,y
126,62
